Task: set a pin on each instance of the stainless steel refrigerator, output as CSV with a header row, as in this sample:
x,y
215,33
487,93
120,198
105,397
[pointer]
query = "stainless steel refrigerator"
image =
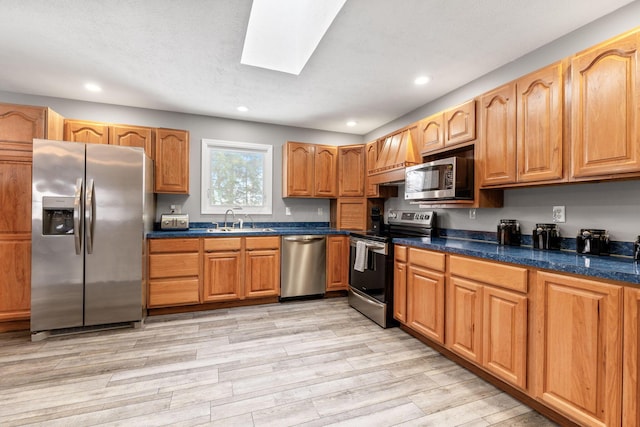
x,y
92,205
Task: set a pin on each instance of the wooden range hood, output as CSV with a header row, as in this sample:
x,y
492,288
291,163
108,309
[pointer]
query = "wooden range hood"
x,y
396,152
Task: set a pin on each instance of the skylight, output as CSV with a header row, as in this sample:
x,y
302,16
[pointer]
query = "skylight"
x,y
283,34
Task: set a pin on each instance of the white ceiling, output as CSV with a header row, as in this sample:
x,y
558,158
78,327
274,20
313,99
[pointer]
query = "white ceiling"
x,y
184,55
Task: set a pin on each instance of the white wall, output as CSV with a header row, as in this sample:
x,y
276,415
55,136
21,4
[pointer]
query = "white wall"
x,y
614,206
209,128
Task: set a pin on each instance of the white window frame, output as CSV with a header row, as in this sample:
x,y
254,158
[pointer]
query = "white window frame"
x,y
265,149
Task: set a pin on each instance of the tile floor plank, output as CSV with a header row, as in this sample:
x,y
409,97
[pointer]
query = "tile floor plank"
x,y
311,363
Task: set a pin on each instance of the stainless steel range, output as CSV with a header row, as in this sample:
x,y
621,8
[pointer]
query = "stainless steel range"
x,y
371,262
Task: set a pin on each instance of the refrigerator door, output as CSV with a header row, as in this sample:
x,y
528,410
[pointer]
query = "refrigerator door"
x,y
57,250
114,197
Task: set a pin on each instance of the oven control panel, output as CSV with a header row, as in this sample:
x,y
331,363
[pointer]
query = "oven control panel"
x,y
415,218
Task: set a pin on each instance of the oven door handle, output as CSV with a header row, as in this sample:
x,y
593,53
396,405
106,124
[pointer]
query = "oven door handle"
x,y
370,246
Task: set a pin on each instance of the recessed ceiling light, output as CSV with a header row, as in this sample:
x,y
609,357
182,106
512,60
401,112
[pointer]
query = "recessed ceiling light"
x,y
92,87
282,35
351,123
243,109
422,80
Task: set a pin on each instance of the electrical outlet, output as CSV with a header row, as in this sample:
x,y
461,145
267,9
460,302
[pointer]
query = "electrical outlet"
x,y
558,214
472,214
320,211
287,210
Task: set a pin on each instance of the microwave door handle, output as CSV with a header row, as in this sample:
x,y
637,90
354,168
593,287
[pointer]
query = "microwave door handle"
x,y
77,214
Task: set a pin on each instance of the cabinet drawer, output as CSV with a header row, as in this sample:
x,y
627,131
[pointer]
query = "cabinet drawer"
x,y
173,265
401,253
427,259
490,272
173,292
271,242
222,244
173,245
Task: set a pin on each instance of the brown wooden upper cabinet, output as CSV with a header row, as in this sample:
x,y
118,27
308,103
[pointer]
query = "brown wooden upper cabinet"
x,y
309,170
83,131
171,161
351,170
521,137
106,133
453,126
605,109
19,125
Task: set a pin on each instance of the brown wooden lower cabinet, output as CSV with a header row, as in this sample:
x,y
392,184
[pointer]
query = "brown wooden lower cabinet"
x,y
337,263
236,268
174,278
580,352
567,342
400,283
631,359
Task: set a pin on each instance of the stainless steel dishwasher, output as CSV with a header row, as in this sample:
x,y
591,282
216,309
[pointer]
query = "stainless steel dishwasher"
x,y
304,266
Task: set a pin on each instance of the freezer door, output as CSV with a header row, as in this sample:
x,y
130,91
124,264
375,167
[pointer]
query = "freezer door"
x,y
56,239
114,197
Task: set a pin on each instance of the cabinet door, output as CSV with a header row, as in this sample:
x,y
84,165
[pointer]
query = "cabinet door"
x,y
400,291
15,280
325,167
351,171
172,161
631,358
540,125
498,136
222,276
371,150
605,89
464,318
337,263
425,302
504,342
350,213
580,359
460,124
132,136
19,124
298,169
172,292
262,273
82,131
431,133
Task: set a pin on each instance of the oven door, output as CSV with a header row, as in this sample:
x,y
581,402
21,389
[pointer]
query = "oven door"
x,y
373,280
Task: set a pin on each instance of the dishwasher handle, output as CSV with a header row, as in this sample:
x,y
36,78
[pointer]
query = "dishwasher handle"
x,y
303,239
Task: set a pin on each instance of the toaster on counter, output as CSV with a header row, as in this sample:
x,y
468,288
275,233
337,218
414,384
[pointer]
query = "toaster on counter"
x,y
174,221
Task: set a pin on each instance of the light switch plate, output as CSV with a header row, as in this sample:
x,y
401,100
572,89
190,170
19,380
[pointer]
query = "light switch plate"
x,y
472,213
558,214
287,210
320,211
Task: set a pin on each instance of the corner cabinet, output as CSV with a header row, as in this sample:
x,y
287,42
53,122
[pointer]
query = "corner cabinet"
x,y
579,353
19,125
309,170
171,161
605,109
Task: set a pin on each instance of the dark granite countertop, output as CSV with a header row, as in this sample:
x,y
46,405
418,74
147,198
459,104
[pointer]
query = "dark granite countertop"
x,y
258,231
622,269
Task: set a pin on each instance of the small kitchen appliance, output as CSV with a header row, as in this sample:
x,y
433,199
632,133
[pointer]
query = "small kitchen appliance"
x,y
174,221
636,249
509,232
546,236
592,241
377,221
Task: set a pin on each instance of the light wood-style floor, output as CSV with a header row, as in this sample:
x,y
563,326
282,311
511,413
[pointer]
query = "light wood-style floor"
x,y
311,363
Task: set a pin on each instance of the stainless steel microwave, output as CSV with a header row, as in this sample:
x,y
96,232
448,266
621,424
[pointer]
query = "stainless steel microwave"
x,y
444,179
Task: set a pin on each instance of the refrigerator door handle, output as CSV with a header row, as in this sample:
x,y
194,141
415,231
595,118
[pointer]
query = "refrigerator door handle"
x,y
77,211
90,215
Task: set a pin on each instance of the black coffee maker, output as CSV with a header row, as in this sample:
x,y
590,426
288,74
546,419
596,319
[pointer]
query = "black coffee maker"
x,y
377,221
593,241
509,232
546,236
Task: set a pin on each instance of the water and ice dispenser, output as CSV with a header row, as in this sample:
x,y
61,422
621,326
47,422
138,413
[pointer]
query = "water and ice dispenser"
x,y
57,215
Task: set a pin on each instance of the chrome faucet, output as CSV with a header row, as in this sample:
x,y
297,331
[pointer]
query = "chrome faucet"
x,y
233,216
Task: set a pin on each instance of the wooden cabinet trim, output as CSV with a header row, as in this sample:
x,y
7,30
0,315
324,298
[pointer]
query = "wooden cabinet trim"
x,y
427,259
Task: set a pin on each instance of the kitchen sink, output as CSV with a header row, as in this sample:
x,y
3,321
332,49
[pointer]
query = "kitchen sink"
x,y
224,230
